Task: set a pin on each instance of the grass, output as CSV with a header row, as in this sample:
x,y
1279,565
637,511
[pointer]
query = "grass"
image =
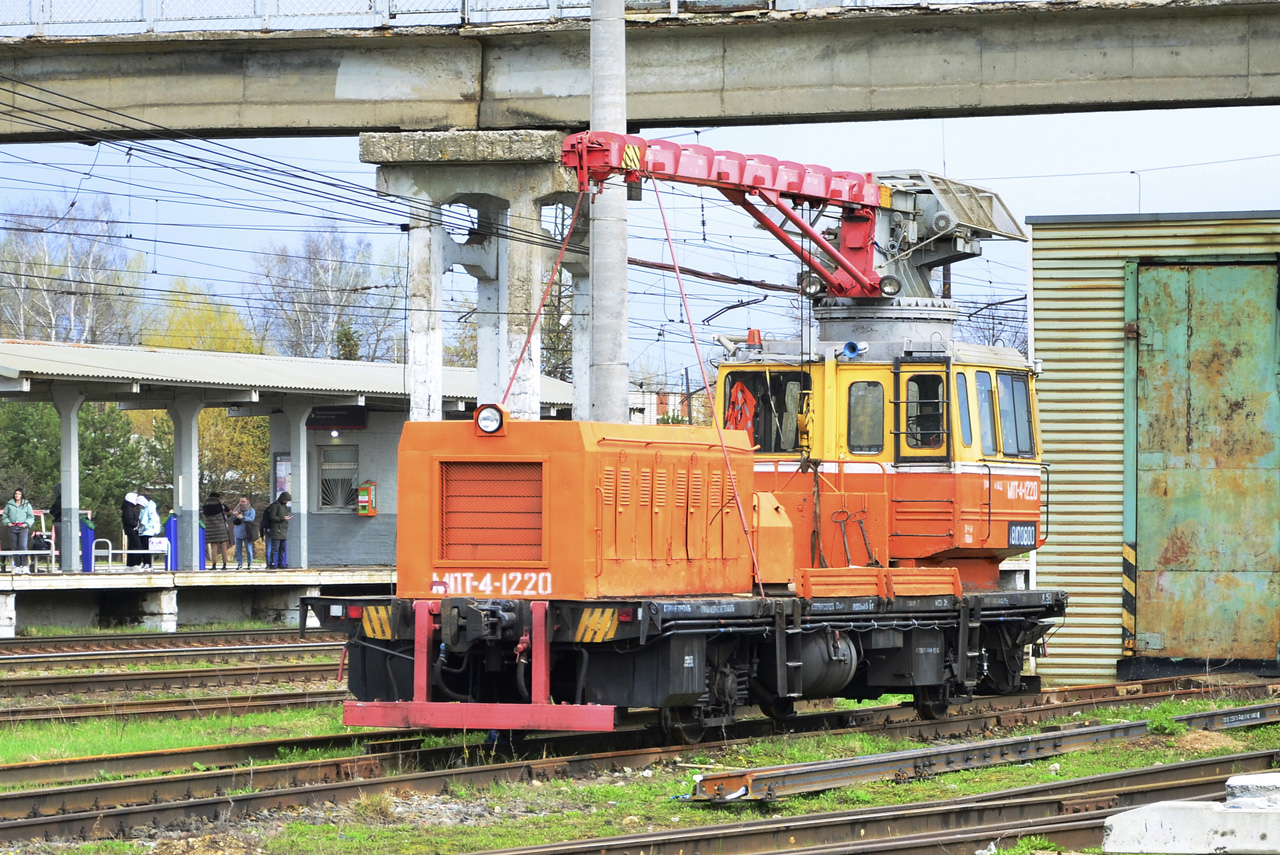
x,y
29,742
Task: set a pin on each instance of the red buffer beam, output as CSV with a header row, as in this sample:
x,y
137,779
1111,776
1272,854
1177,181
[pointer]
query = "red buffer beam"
x,y
782,184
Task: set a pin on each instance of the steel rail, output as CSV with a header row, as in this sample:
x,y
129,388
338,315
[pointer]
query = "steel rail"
x,y
179,708
63,771
176,678
767,784
116,658
157,640
1051,802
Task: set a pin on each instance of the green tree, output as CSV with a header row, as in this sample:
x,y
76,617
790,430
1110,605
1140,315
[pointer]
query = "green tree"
x,y
113,461
233,449
348,342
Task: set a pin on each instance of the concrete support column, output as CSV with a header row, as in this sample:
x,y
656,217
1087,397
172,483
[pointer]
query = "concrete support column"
x,y
581,341
280,605
524,291
297,412
67,402
490,171
8,615
609,325
185,413
160,609
479,256
426,342
313,622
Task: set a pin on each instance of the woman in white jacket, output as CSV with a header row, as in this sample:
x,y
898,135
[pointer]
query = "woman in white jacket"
x,y
148,525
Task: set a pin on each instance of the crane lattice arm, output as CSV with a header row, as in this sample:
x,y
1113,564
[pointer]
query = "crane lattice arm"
x,y
877,222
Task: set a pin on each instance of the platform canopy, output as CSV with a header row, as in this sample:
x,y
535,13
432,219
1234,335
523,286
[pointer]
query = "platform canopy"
x,y
152,377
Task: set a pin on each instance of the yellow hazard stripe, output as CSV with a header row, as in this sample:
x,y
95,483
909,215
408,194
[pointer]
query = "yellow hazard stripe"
x,y
631,157
597,625
377,622
1130,554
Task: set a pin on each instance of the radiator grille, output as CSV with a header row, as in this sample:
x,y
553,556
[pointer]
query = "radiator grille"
x,y
491,512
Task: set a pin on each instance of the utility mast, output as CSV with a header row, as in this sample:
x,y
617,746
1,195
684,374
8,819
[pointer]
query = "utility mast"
x,y
609,360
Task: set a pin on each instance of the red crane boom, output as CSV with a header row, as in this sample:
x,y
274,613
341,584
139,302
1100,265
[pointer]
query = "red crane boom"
x,y
781,184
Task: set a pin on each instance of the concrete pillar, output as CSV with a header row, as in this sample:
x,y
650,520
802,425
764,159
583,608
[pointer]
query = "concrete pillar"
x,y
313,622
8,615
185,413
67,402
160,609
609,359
427,241
489,267
280,605
524,291
297,412
581,341
489,171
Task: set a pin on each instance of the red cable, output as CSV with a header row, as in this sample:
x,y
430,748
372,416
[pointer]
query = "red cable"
x,y
706,384
555,271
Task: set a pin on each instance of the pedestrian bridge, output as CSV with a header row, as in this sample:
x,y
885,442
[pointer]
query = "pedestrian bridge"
x,y
689,63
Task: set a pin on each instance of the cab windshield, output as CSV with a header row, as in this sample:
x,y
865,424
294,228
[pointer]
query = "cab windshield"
x,y
766,404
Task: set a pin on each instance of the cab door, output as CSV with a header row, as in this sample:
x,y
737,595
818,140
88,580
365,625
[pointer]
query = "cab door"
x,y
921,407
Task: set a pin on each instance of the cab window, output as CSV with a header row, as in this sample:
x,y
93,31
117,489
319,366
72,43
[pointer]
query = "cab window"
x,y
986,412
866,417
962,402
1015,416
925,408
766,404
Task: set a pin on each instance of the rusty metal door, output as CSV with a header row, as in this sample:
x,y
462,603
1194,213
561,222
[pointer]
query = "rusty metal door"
x,y
1208,496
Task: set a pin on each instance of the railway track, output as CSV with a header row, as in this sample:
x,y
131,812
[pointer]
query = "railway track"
x,y
157,640
110,659
77,810
1071,813
185,679
173,708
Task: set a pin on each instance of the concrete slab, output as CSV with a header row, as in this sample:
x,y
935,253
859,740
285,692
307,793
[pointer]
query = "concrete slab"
x,y
1247,823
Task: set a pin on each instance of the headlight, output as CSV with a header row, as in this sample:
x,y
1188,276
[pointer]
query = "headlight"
x,y
890,286
489,419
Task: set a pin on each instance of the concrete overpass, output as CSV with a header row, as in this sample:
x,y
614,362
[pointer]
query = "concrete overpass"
x,y
748,68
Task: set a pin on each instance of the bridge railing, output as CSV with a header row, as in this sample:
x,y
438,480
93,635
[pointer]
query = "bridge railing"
x,y
77,18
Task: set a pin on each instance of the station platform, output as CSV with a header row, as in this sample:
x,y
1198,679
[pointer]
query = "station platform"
x,y
167,601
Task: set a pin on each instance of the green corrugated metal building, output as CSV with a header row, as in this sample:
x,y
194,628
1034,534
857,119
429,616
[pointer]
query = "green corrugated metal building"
x,y
1159,410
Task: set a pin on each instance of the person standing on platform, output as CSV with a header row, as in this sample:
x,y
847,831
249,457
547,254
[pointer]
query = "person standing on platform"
x,y
148,526
19,516
217,533
129,517
243,520
278,517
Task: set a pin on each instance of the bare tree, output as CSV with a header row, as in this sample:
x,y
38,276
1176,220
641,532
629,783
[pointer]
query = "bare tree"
x,y
306,295
69,279
995,325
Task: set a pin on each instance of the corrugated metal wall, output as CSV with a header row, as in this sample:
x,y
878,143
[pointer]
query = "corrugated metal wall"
x,y
1078,319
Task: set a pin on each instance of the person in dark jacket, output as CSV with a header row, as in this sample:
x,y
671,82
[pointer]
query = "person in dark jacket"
x,y
129,516
278,517
217,534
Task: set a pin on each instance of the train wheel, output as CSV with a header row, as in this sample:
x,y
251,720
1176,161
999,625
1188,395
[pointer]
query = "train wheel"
x,y
931,702
683,725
